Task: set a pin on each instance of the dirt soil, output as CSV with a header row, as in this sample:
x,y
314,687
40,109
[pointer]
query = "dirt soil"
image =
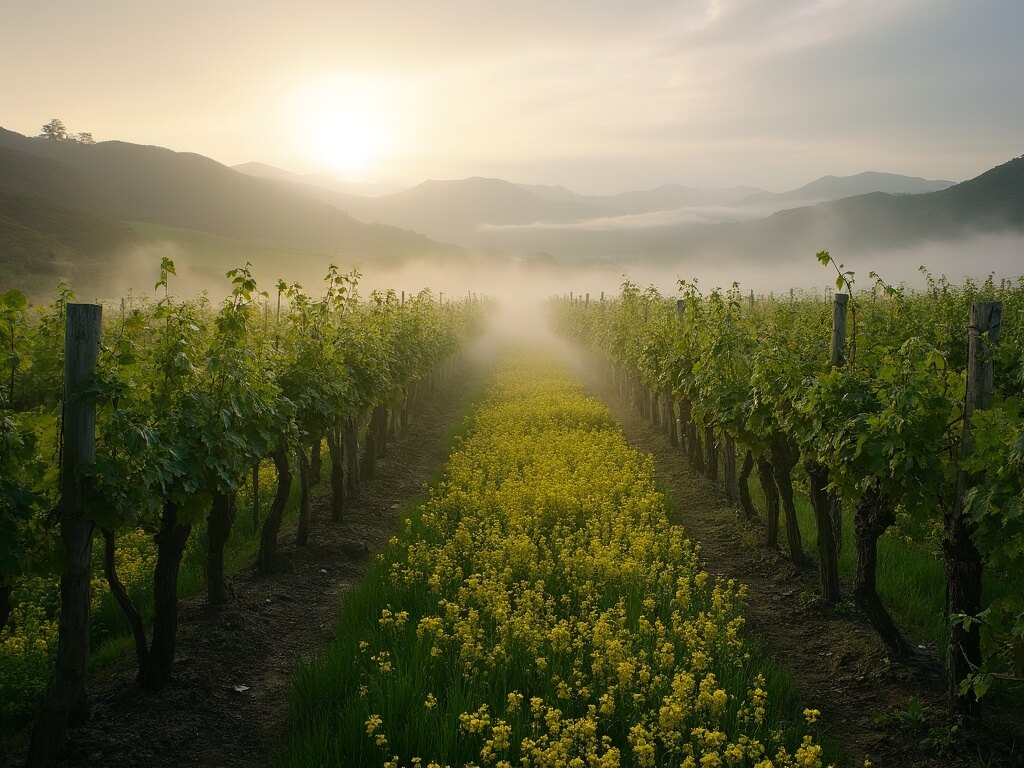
x,y
227,703
836,659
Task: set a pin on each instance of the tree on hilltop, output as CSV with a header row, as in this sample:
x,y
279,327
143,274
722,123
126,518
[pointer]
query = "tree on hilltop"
x,y
55,130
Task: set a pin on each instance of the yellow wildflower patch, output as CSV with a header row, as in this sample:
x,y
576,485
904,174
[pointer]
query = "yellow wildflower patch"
x,y
556,617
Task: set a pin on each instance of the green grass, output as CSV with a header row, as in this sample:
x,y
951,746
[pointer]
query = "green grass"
x,y
911,580
109,626
110,633
782,681
472,537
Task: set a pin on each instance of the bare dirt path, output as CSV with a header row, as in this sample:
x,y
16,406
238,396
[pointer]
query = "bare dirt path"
x,y
836,659
205,718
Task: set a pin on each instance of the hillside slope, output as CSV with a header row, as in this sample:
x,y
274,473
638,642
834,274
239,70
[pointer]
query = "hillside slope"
x,y
44,242
130,182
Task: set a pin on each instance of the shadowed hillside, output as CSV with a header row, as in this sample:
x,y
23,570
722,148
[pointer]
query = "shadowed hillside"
x,y
45,242
130,182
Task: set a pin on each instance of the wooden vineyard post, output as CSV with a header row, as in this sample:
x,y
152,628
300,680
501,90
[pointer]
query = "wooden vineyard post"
x,y
839,330
732,487
963,560
66,688
711,449
827,512
256,496
687,429
671,422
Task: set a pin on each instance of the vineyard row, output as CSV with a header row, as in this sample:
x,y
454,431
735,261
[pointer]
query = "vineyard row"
x,y
901,408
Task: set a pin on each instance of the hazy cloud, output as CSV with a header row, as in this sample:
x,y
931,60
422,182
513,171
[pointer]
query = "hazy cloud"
x,y
598,95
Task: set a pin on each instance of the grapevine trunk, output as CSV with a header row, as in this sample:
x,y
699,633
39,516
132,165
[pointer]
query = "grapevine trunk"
x,y
746,503
823,502
124,601
305,477
268,537
784,457
338,447
873,515
218,529
170,546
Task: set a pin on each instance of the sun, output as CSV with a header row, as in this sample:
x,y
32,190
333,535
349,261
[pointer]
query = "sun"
x,y
346,138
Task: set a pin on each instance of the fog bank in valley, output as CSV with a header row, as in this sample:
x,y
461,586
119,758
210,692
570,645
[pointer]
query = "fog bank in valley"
x,y
520,286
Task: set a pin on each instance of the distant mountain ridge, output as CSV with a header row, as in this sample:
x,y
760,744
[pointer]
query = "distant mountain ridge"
x,y
130,182
665,197
829,188
473,211
991,202
63,203
322,180
454,210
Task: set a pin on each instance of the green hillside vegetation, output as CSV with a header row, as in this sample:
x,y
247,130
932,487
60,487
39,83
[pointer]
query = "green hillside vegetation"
x,y
992,201
44,242
189,191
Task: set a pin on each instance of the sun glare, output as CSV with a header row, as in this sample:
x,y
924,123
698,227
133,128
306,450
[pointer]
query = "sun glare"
x,y
346,139
347,122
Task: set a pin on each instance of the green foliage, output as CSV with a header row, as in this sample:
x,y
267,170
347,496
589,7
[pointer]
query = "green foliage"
x,y
189,397
889,419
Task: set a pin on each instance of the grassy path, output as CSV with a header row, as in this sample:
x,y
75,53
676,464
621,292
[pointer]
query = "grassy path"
x,y
540,610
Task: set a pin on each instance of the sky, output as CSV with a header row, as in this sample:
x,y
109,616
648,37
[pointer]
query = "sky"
x,y
597,95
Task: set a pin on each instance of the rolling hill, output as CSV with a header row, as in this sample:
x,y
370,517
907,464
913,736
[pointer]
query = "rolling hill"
x,y
44,242
664,198
129,182
66,207
456,210
829,188
488,213
992,202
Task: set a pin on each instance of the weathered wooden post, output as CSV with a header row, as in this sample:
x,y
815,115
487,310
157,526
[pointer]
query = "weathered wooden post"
x,y
963,560
403,298
256,496
671,423
751,298
732,488
66,691
602,297
827,510
839,330
587,302
687,428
